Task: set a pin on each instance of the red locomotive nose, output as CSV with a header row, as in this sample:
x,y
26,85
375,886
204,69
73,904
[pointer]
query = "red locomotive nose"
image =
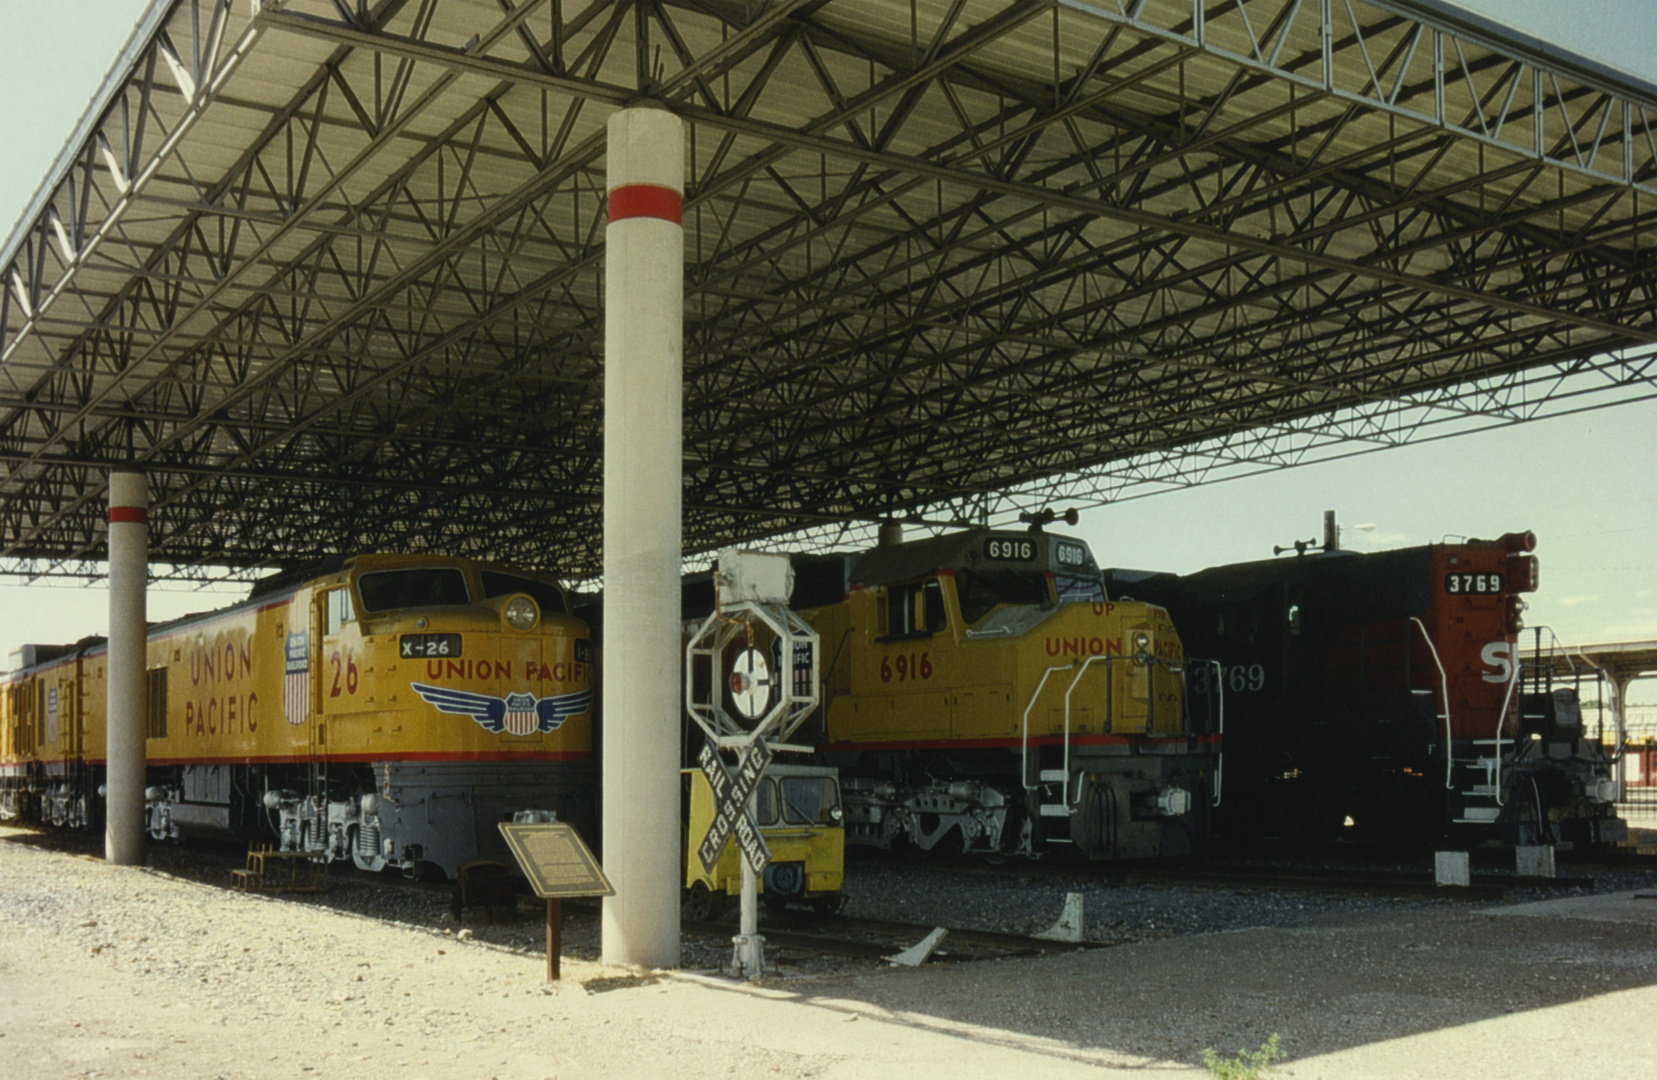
x,y
1518,541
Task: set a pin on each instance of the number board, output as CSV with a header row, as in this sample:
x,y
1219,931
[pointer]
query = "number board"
x,y
1010,549
1067,553
1470,584
421,646
555,861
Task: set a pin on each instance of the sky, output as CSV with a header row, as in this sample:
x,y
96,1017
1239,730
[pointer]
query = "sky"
x,y
1586,485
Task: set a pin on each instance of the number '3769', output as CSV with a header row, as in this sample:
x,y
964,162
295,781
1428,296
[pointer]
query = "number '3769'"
x,y
1237,678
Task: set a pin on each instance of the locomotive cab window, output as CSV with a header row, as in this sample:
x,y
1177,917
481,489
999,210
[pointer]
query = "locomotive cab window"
x,y
549,598
426,586
1077,589
915,610
336,611
980,591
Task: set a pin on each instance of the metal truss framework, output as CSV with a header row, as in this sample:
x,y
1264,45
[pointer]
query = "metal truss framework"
x,y
330,271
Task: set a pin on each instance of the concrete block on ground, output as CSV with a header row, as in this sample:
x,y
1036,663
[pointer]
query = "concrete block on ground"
x,y
1452,868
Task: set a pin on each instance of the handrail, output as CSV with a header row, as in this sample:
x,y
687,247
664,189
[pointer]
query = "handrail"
x,y
1618,692
1501,715
1444,686
1219,694
1150,663
1024,745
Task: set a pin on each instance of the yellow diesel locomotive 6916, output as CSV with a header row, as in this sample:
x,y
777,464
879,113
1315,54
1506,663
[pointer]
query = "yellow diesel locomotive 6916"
x,y
389,709
981,691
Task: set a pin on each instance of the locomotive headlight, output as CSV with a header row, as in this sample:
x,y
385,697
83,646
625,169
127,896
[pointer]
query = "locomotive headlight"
x,y
521,613
1142,641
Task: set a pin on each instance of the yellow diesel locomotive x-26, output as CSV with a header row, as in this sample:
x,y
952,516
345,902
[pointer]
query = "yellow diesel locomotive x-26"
x,y
388,709
981,691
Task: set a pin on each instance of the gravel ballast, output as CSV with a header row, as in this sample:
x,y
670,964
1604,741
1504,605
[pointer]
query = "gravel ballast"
x,y
106,971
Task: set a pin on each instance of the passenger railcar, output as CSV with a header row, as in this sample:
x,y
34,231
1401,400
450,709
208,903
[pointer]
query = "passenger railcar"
x,y
388,709
981,692
1383,692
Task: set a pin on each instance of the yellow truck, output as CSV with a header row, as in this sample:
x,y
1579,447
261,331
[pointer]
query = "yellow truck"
x,y
799,814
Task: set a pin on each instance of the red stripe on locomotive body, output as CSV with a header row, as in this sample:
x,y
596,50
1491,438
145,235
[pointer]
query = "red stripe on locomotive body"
x,y
648,201
354,759
1202,741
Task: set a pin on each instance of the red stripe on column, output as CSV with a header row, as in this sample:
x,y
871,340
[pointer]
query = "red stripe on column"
x,y
645,200
128,515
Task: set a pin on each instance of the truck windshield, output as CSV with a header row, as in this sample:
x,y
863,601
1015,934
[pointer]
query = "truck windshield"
x,y
808,800
426,586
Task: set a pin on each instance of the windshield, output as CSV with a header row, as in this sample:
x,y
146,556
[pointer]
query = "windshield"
x,y
549,597
808,800
426,586
981,590
1075,589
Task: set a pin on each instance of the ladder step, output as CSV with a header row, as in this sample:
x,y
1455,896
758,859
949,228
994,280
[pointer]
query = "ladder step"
x,y
1055,810
1053,775
1479,815
1482,789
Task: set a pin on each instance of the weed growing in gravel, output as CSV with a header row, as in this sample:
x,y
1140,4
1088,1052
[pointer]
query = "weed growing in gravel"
x,y
1247,1065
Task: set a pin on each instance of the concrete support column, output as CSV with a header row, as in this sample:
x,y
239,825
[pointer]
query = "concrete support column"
x,y
643,410
129,571
1619,701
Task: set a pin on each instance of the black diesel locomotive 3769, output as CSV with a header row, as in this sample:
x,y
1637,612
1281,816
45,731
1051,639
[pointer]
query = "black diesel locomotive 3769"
x,y
1384,692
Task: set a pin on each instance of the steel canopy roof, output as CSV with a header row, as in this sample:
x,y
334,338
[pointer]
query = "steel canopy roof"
x,y
329,271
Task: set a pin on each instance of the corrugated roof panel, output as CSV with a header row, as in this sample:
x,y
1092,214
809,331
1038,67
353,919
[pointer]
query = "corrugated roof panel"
x,y
1057,235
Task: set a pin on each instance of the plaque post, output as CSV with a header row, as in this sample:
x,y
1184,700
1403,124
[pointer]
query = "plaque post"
x,y
555,936
557,864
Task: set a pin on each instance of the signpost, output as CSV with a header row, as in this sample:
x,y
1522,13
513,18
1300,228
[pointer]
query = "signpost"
x,y
732,799
751,616
558,865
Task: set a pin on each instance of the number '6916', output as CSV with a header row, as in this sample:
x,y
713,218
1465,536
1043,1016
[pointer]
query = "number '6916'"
x,y
905,666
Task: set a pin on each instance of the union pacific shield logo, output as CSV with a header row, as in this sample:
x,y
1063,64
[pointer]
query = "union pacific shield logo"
x,y
516,714
520,714
296,680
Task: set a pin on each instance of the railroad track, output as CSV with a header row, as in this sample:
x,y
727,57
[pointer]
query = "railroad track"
x,y
880,939
1347,874
1345,881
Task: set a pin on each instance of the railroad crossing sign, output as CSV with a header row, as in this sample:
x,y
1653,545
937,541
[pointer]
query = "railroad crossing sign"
x,y
731,793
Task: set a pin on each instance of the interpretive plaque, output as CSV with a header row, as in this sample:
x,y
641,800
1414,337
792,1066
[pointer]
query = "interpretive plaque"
x,y
556,862
558,865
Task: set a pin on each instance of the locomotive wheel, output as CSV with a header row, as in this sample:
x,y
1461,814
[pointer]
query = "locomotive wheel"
x,y
372,863
703,904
